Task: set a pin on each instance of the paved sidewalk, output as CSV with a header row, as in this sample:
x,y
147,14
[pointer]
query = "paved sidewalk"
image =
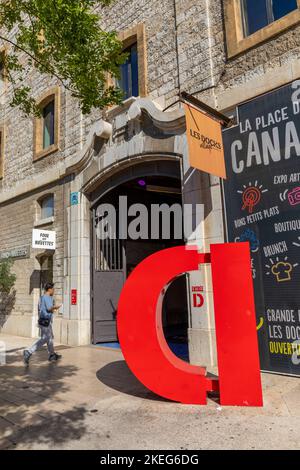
x,y
90,400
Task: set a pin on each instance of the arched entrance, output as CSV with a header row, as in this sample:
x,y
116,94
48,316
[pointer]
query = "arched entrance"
x,y
114,257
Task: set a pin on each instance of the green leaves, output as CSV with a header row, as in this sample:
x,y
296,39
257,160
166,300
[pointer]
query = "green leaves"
x,y
61,38
7,279
23,99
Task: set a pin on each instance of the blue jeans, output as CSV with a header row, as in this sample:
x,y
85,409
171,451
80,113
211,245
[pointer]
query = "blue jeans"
x,y
46,333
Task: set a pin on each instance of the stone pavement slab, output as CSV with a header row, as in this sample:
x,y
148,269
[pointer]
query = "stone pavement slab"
x,y
90,400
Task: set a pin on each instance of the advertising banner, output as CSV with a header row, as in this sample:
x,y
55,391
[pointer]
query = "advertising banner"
x,y
204,136
262,202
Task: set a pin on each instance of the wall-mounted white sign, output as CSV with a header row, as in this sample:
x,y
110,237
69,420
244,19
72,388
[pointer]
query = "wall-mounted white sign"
x,y
43,239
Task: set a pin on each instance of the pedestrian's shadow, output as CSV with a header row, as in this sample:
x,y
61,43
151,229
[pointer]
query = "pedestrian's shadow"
x,y
34,410
118,376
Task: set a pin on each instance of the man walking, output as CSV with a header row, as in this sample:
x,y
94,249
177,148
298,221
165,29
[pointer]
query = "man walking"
x,y
46,310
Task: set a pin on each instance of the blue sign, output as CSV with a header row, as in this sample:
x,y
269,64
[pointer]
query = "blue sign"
x,y
74,199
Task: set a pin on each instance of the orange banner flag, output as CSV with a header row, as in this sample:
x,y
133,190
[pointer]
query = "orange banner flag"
x,y
205,143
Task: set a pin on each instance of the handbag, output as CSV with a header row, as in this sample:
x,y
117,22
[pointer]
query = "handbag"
x,y
44,322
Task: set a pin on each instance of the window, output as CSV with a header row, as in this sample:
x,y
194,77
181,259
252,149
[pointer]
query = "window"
x,y
133,79
47,126
47,207
259,13
248,23
129,81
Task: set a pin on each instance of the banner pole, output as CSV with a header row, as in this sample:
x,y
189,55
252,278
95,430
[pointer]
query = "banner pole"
x,y
190,99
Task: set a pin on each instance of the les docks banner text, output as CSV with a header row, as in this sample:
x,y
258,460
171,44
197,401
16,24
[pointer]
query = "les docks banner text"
x,y
262,200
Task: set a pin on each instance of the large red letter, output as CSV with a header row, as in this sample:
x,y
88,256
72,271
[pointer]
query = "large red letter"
x,y
237,344
142,339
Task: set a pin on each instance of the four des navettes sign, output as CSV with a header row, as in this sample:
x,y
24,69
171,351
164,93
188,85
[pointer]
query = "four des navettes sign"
x,y
43,239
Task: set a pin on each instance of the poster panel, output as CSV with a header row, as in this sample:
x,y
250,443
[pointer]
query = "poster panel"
x,y
262,203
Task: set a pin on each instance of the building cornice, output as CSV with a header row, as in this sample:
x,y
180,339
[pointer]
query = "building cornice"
x,y
164,120
100,130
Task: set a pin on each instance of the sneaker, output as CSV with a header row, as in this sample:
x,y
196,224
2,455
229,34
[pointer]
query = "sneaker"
x,y
26,356
54,357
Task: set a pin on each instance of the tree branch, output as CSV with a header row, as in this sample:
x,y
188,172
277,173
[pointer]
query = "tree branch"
x,y
49,70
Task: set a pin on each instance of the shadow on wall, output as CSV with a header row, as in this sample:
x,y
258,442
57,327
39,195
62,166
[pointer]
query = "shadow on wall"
x,y
7,303
35,280
34,407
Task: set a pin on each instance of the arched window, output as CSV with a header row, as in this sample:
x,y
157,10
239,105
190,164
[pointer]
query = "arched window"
x,y
129,80
46,129
133,73
48,124
47,207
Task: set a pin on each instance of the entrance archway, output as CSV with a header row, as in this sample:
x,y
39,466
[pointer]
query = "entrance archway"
x,y
114,258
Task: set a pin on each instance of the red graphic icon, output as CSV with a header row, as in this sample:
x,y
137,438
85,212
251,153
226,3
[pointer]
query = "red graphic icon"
x,y
143,343
294,197
251,197
74,297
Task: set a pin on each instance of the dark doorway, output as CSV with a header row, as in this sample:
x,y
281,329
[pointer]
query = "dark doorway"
x,y
113,260
46,272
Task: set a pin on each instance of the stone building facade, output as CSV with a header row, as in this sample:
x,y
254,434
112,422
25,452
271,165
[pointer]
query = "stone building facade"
x,y
195,46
